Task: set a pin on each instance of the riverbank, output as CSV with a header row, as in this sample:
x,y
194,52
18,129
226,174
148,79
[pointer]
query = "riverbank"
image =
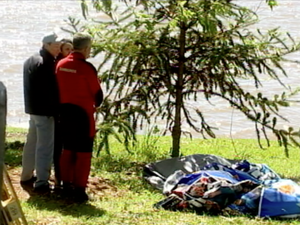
x,y
121,196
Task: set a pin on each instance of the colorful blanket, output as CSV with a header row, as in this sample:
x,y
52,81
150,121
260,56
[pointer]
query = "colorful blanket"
x,y
209,183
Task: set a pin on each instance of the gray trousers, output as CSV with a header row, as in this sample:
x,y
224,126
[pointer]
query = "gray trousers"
x,y
38,150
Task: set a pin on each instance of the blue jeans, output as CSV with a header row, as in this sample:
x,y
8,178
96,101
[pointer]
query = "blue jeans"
x,y
38,150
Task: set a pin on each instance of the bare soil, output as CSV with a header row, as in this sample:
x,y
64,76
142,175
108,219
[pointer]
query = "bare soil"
x,y
97,187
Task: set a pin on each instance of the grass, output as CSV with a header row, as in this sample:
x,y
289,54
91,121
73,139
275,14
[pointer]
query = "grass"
x,y
130,199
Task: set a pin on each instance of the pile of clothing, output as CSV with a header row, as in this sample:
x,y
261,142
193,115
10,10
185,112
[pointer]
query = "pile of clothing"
x,y
210,183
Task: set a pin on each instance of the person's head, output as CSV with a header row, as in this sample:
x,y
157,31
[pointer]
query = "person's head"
x,y
82,43
51,44
66,47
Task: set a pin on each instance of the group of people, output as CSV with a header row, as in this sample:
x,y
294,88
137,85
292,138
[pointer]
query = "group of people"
x,y
61,94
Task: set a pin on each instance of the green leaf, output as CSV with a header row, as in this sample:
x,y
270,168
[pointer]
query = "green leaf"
x,y
272,3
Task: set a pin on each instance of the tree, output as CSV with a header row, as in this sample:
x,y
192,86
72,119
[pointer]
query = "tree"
x,y
168,52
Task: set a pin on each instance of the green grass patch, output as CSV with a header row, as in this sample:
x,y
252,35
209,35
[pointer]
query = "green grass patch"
x,y
131,201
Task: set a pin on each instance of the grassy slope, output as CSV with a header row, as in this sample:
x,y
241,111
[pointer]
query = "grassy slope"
x,y
131,202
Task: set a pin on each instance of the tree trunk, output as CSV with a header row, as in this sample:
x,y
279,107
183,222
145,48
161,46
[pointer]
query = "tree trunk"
x,y
176,131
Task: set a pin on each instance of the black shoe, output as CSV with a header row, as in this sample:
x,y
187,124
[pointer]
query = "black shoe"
x,y
28,184
30,181
57,182
67,190
42,190
80,196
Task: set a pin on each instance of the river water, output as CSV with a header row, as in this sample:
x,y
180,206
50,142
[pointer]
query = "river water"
x,y
23,24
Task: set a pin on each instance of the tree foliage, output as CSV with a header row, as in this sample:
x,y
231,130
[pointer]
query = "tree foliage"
x,y
160,55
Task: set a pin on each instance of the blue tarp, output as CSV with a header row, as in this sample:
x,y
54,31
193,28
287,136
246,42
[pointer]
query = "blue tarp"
x,y
280,199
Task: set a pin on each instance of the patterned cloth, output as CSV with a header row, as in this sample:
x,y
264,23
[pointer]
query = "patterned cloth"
x,y
219,184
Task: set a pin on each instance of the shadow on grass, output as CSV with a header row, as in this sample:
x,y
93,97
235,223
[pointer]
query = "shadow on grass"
x,y
297,178
125,172
294,178
53,203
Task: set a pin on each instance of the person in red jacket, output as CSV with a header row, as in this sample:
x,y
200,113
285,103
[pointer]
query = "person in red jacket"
x,y
80,93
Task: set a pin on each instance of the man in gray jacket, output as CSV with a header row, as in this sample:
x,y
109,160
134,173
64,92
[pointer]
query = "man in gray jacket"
x,y
41,103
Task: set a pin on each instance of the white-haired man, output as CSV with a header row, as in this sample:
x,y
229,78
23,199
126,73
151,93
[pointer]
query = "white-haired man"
x,y
41,103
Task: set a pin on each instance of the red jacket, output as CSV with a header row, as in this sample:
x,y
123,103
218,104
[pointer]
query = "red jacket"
x,y
78,84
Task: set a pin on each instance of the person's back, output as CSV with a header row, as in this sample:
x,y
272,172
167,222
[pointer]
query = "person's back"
x,y
80,94
78,84
76,79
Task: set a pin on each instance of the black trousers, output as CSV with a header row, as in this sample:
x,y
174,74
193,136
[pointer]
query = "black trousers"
x,y
75,128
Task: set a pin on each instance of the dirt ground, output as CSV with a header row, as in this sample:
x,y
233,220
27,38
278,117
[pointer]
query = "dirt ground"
x,y
97,187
